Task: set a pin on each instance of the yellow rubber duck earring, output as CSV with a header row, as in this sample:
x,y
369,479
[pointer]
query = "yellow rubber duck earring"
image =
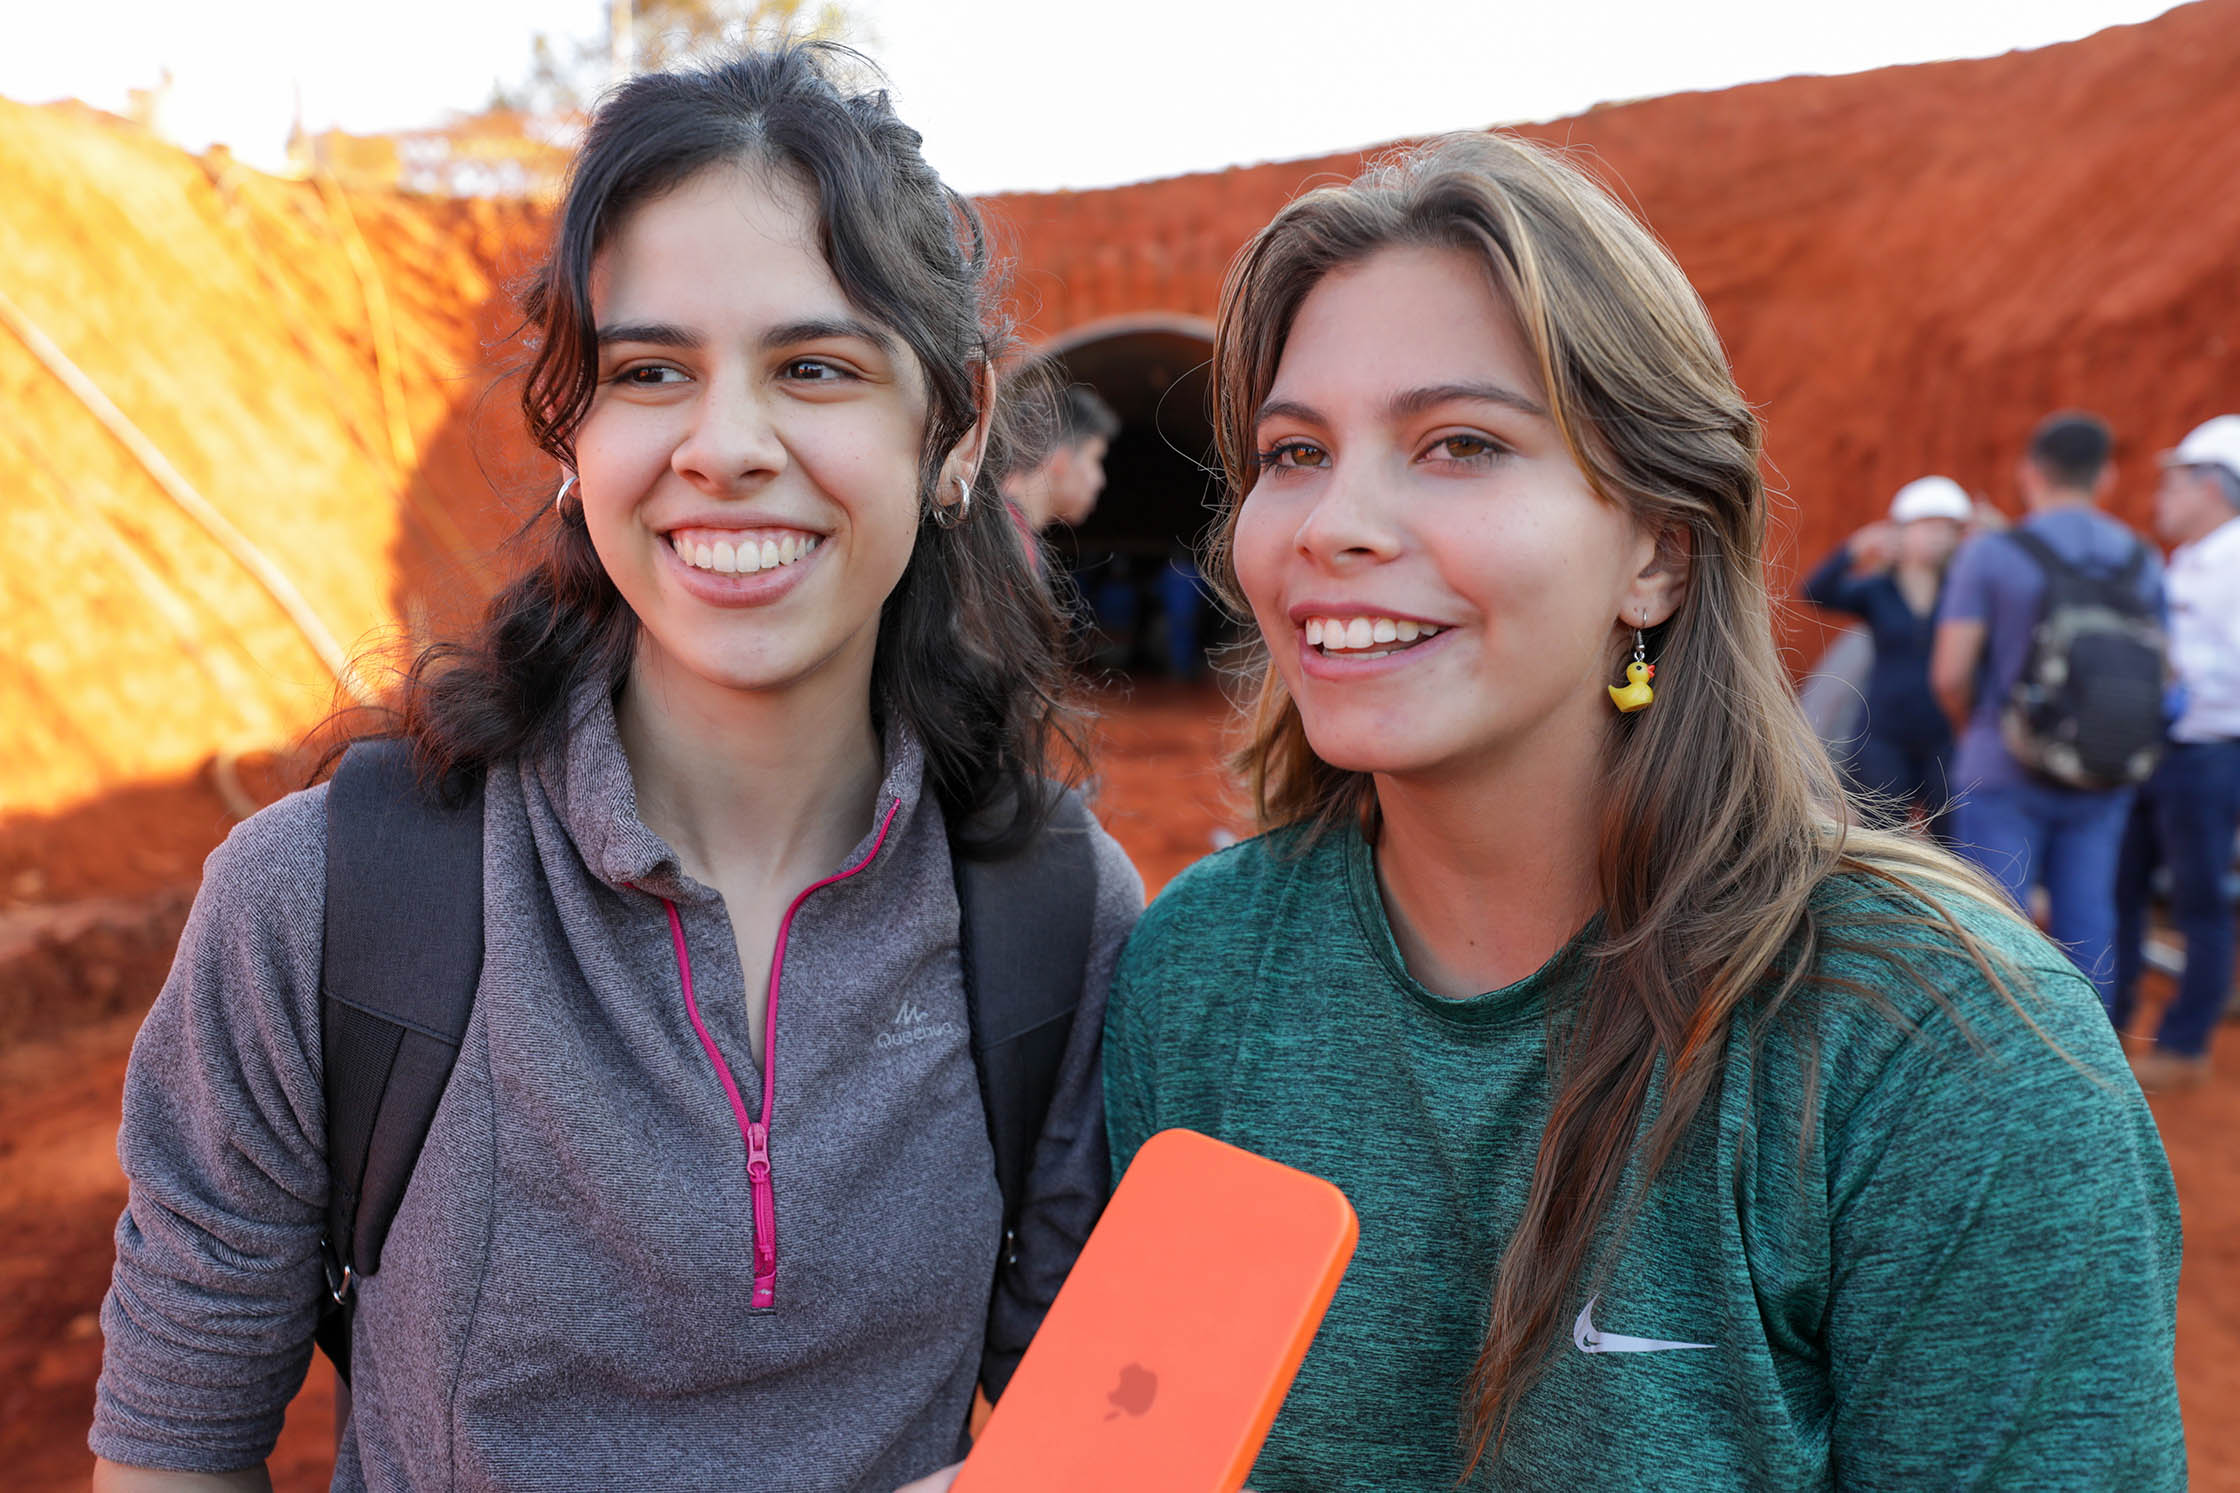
x,y
1635,693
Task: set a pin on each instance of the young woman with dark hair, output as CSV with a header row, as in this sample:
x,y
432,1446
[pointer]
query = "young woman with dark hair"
x,y
1699,1137
773,665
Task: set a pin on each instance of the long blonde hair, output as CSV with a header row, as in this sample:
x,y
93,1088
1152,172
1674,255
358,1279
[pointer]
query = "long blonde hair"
x,y
1723,813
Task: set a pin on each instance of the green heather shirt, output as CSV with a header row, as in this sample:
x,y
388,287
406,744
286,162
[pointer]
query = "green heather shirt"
x,y
1962,1272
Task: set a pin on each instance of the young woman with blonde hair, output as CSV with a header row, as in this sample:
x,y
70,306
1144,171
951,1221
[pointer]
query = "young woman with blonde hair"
x,y
1699,1138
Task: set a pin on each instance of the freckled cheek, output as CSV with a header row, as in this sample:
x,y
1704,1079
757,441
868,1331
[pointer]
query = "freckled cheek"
x,y
1561,605
1526,550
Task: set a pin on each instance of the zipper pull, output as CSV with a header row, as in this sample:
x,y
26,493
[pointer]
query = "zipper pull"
x,y
765,1213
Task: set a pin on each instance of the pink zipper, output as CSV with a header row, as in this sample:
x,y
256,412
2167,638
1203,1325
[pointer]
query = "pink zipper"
x,y
756,1132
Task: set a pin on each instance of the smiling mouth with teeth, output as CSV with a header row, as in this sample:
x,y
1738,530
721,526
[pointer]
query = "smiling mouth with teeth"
x,y
742,555
1365,637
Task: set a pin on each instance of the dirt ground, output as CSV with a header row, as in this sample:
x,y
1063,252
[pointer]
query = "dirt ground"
x,y
60,1190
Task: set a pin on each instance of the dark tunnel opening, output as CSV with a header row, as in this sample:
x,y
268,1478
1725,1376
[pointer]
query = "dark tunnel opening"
x,y
1134,560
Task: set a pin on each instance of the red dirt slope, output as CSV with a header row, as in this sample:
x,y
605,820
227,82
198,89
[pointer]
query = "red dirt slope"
x,y
1909,266
221,311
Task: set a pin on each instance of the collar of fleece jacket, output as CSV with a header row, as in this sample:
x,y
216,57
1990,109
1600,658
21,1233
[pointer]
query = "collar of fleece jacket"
x,y
588,784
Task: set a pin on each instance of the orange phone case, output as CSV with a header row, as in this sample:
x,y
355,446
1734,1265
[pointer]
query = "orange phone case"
x,y
1167,1354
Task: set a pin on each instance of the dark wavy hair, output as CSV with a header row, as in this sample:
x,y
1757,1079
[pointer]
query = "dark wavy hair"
x,y
969,647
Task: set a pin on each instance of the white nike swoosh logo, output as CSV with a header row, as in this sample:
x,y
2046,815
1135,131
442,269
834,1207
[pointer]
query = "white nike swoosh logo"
x,y
1588,1340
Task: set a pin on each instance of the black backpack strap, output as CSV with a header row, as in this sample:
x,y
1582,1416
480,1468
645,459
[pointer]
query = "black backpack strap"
x,y
397,979
2045,556
1025,927
2069,578
1023,933
2128,577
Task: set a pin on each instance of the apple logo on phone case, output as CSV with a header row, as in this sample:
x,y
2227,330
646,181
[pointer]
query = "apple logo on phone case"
x,y
1137,1389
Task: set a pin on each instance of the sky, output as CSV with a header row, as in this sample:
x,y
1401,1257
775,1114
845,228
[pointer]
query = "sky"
x,y
1033,94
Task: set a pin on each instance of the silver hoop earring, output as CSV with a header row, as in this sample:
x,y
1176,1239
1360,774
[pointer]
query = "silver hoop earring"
x,y
561,496
949,515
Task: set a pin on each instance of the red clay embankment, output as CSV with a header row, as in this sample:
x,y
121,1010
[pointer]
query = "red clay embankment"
x,y
1908,266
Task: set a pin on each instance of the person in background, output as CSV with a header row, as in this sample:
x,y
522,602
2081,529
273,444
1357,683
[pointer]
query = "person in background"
x,y
2024,829
1182,602
1890,574
2188,811
1834,692
1058,473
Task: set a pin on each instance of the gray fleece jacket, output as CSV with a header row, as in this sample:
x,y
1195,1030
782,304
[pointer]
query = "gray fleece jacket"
x,y
567,1295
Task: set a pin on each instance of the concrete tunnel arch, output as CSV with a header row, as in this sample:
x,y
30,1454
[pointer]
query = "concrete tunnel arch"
x,y
1161,482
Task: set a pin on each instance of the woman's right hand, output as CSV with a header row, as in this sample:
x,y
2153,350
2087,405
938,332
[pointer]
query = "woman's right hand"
x,y
1874,547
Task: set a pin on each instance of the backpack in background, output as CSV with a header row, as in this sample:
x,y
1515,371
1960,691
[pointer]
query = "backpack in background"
x,y
2086,711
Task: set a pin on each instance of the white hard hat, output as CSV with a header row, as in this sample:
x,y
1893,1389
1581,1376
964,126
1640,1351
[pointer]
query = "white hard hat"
x,y
1931,497
2211,443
